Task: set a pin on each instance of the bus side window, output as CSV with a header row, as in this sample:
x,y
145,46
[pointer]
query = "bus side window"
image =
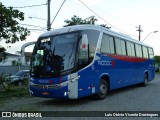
x,y
111,43
105,48
107,45
138,50
123,47
129,49
133,50
145,52
118,46
150,51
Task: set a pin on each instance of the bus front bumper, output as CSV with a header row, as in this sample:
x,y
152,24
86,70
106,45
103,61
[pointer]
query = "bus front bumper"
x,y
48,91
67,89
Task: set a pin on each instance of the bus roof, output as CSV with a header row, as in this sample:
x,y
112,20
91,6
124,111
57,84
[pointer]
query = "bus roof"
x,y
92,27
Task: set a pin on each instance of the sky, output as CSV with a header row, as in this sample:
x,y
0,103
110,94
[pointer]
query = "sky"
x,y
122,16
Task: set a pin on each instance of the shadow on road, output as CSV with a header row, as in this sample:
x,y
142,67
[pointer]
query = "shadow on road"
x,y
67,102
85,100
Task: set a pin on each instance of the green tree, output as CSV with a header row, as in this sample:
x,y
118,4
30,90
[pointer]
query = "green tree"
x,y
10,31
90,20
157,59
2,53
14,63
75,20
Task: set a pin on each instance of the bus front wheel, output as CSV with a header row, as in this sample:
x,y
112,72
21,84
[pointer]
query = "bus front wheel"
x,y
103,90
145,80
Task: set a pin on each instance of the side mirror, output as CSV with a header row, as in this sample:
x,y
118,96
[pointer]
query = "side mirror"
x,y
83,54
84,44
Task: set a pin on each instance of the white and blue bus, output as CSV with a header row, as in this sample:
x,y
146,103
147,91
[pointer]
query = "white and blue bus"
x,y
82,60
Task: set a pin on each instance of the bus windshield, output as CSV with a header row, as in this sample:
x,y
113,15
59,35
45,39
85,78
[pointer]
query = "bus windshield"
x,y
54,55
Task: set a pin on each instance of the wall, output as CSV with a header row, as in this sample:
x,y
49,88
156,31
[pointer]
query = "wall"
x,y
6,70
9,60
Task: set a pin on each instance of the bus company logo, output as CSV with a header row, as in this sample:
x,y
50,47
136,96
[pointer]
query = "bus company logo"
x,y
43,81
6,114
104,63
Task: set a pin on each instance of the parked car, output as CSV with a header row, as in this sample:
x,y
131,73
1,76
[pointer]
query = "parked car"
x,y
19,77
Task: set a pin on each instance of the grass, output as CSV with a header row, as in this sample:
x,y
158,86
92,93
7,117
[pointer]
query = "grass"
x,y
158,72
10,98
14,91
27,108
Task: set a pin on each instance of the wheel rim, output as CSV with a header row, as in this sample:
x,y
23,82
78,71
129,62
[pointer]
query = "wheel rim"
x,y
103,89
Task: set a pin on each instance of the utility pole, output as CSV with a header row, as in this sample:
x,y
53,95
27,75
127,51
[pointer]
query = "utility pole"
x,y
48,20
139,29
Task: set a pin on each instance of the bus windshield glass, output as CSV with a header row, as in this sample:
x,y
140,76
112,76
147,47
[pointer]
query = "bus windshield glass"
x,y
55,55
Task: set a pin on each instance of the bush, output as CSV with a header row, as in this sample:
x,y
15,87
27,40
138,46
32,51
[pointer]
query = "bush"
x,y
3,86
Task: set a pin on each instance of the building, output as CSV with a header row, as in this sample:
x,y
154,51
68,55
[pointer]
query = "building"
x,y
27,55
12,59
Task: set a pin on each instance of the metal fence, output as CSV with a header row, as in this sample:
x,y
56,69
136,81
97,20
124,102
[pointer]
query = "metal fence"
x,y
7,70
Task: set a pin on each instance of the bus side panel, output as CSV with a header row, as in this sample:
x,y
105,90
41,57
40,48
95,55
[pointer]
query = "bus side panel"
x,y
151,70
120,73
86,85
123,71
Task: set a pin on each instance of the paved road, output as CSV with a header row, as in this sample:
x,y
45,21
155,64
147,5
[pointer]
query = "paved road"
x,y
135,98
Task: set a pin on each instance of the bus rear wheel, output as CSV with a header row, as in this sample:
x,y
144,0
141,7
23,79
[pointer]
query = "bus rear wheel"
x,y
103,90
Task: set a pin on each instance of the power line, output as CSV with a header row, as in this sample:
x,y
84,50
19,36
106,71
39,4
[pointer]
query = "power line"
x,y
104,12
58,11
34,26
43,28
31,6
37,30
104,19
94,12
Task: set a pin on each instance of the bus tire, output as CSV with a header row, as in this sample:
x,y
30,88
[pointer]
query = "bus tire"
x,y
103,90
145,80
